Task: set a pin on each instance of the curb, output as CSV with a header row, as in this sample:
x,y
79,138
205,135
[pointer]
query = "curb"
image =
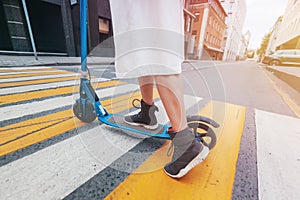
x,y
57,64
291,80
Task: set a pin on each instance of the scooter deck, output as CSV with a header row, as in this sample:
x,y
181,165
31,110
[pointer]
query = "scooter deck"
x,y
116,121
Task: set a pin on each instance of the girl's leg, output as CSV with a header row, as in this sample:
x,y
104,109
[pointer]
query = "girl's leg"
x,y
146,87
187,152
170,89
146,117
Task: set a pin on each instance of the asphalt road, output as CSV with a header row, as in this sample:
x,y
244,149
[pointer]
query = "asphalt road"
x,y
54,164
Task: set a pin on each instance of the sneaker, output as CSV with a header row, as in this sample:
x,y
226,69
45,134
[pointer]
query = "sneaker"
x,y
187,153
146,117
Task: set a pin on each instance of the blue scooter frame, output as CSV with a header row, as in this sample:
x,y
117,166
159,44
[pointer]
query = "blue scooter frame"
x,y
88,106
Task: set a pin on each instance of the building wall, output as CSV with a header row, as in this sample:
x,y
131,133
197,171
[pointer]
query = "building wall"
x,y
289,33
51,25
274,36
236,10
13,27
105,44
189,39
243,48
198,25
208,28
214,34
55,26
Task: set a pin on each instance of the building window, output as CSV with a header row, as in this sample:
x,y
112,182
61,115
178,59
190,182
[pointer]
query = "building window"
x,y
188,23
206,36
197,17
103,26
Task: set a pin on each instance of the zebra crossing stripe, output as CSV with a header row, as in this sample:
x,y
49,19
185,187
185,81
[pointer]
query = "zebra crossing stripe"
x,y
25,133
34,95
28,88
56,171
35,82
23,69
18,79
212,179
17,111
278,155
32,74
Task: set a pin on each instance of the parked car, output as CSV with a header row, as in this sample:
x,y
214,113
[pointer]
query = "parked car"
x,y
283,57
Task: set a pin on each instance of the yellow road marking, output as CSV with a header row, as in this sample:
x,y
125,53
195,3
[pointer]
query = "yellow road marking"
x,y
212,179
286,97
23,134
51,92
34,82
26,70
35,74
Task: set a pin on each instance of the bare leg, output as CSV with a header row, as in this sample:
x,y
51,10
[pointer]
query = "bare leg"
x,y
146,87
170,89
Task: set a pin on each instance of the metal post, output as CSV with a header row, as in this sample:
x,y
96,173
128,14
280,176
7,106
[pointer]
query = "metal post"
x,y
29,29
83,34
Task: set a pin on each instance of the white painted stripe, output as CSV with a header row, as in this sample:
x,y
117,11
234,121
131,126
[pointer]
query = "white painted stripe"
x,y
30,72
4,80
278,156
56,171
16,111
99,70
28,88
22,68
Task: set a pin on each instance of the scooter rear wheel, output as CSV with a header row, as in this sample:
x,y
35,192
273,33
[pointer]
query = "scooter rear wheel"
x,y
204,134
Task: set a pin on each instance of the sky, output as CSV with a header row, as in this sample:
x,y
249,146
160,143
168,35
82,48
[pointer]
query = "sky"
x,y
260,18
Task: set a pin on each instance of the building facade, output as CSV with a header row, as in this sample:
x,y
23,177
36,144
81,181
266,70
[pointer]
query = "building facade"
x,y
271,48
289,32
208,29
243,48
236,11
54,26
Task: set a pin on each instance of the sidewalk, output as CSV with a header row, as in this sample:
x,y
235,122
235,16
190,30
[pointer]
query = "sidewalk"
x,y
290,75
22,61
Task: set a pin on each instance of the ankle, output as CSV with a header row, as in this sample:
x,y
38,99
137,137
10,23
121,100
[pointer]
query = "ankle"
x,y
148,102
176,130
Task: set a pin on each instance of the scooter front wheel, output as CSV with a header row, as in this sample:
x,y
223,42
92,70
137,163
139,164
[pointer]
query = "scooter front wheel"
x,y
84,112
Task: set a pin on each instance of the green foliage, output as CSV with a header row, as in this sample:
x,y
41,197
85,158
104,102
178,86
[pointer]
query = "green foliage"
x,y
263,46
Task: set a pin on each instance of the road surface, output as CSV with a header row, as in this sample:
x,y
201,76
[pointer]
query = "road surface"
x,y
46,153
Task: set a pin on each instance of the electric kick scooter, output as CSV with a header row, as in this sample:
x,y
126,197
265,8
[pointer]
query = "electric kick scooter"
x,y
88,106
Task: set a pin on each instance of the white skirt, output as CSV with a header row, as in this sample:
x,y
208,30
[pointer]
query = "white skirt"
x,y
148,37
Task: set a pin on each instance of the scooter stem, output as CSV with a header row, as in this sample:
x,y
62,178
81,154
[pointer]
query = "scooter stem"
x,y
83,34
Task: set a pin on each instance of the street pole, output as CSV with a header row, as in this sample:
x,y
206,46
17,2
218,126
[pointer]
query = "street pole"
x,y
29,29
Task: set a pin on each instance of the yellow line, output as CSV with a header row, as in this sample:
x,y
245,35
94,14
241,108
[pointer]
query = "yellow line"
x,y
35,74
212,179
288,100
23,134
34,82
26,70
13,98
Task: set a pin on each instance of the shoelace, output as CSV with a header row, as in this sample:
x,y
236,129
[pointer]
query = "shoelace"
x,y
134,100
137,107
170,150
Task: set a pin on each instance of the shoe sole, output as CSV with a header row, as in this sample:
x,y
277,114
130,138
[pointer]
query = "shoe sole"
x,y
150,127
197,160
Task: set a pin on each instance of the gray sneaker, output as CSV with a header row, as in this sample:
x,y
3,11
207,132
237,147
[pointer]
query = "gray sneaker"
x,y
146,117
187,153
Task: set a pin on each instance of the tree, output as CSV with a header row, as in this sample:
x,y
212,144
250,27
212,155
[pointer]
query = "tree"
x,y
263,46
